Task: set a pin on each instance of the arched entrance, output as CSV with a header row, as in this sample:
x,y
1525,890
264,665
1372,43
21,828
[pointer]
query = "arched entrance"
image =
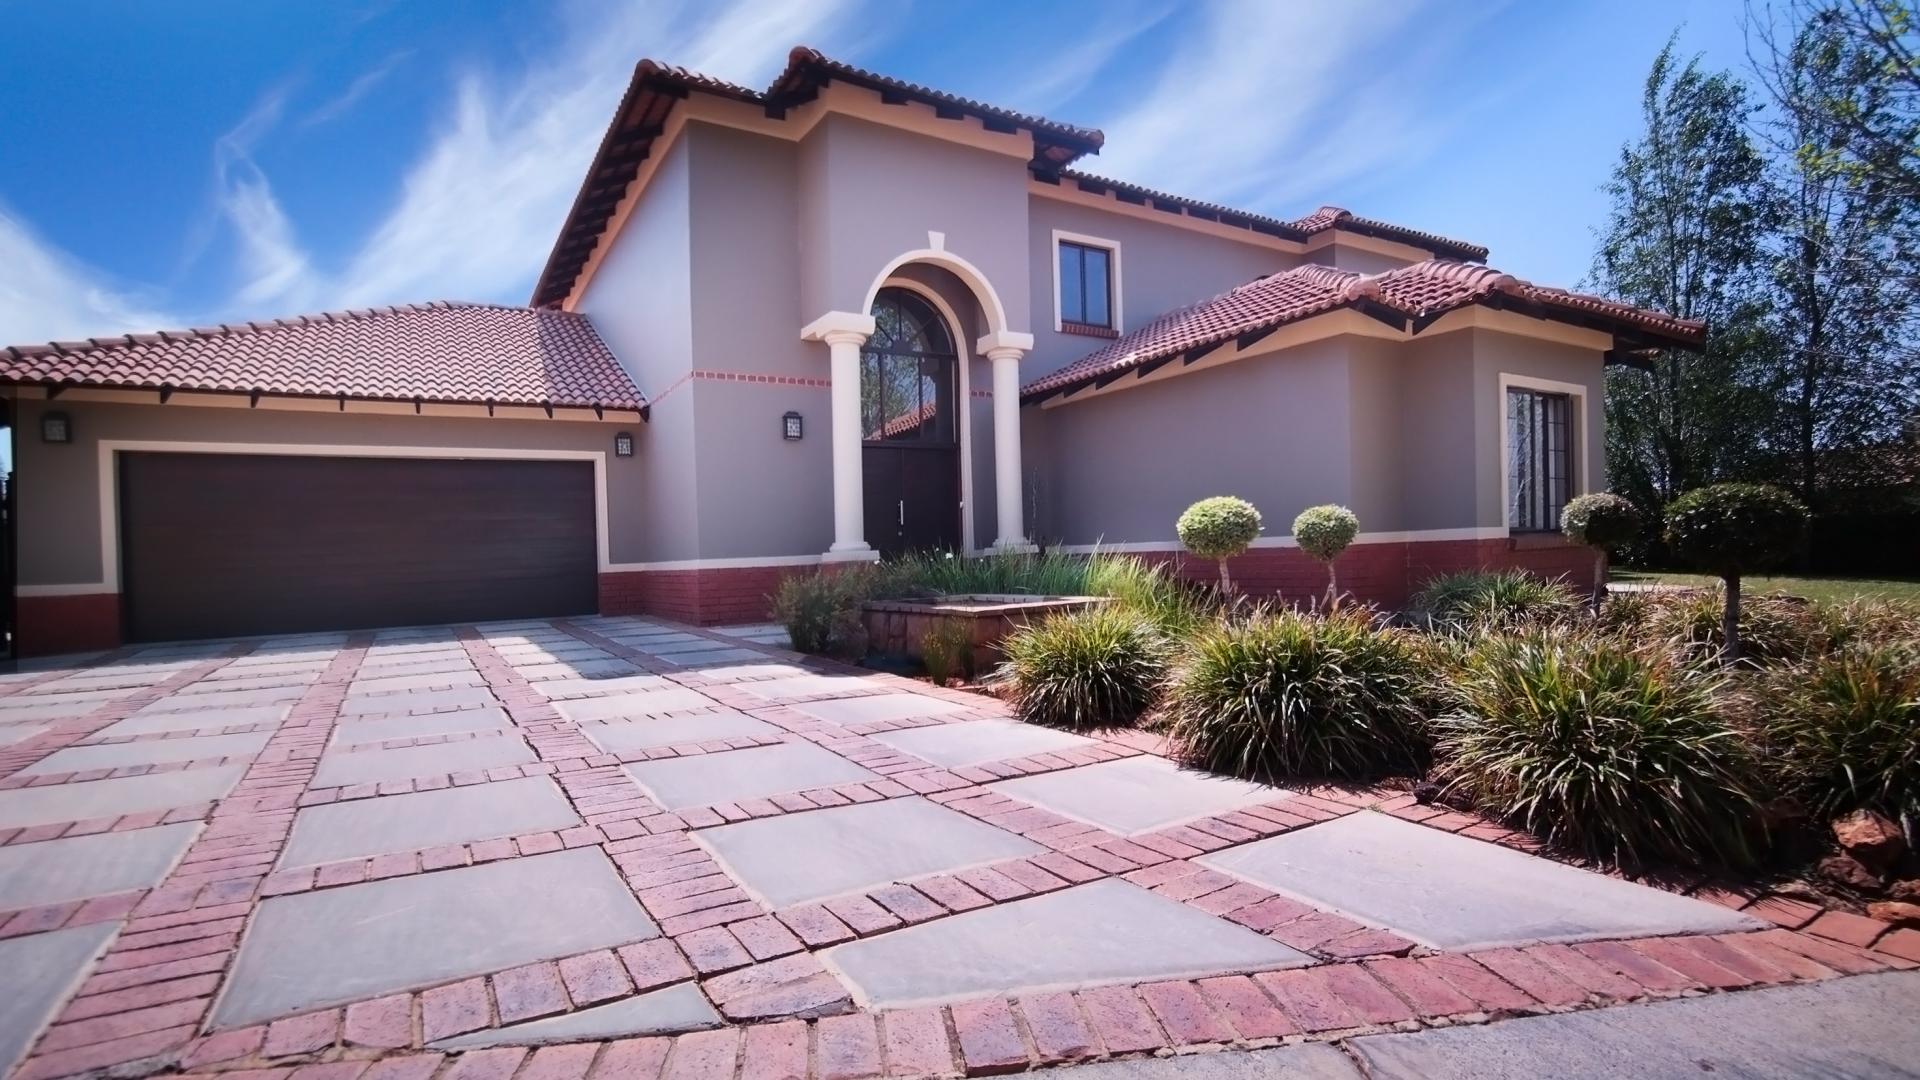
x,y
910,419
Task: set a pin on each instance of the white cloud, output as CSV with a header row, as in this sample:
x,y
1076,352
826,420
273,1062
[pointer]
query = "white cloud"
x,y
1069,68
360,87
47,295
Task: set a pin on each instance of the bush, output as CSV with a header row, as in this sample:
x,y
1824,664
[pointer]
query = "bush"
x,y
1869,621
1285,694
821,611
1773,629
1846,732
1219,528
1096,668
1323,532
946,651
1591,745
1150,591
1486,600
1733,530
1604,522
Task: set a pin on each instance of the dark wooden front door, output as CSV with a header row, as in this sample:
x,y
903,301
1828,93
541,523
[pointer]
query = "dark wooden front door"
x,y
214,545
913,498
910,416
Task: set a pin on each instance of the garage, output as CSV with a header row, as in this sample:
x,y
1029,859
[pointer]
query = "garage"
x,y
216,544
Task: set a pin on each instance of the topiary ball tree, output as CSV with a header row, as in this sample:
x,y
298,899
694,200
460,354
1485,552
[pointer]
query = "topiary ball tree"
x,y
1323,532
1219,528
1731,530
1604,522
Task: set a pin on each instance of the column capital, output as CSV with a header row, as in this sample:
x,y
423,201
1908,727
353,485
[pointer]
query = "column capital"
x,y
844,325
1004,352
1003,339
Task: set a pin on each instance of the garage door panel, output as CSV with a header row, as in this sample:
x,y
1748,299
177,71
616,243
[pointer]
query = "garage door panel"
x,y
216,544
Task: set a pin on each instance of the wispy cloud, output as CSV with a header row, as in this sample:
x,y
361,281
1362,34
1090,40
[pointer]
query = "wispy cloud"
x,y
1071,69
47,295
360,87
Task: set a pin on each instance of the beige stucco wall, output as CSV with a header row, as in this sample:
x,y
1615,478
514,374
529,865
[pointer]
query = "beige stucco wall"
x,y
57,497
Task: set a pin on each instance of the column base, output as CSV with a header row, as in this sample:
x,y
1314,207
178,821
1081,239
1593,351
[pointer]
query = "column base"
x,y
837,554
1020,546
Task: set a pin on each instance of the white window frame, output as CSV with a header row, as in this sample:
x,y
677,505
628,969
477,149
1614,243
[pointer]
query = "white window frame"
x,y
1112,248
1577,420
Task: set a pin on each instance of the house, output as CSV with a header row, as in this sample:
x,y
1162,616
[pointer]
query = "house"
x,y
816,323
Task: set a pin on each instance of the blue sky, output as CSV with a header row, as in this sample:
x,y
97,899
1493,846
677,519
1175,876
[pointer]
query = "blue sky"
x,y
176,164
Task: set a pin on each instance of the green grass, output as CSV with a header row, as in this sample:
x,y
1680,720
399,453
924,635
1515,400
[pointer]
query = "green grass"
x,y
1825,589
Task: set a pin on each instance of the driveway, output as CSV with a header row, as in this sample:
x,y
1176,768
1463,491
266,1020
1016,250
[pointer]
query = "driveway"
x,y
625,847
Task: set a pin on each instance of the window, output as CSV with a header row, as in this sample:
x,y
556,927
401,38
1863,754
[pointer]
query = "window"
x,y
1539,458
907,374
1086,286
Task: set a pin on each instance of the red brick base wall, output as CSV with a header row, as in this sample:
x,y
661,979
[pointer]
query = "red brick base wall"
x,y
713,596
47,625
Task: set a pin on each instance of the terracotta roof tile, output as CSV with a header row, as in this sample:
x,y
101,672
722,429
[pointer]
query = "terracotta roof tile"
x,y
468,353
1410,294
1334,217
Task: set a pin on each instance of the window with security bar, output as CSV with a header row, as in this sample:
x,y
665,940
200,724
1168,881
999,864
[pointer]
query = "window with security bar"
x,y
1539,458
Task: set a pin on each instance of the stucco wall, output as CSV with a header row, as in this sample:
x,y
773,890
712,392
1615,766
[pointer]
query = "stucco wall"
x,y
57,499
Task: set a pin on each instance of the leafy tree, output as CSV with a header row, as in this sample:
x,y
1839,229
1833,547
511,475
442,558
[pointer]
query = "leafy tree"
x,y
1604,522
1219,528
1732,530
1324,532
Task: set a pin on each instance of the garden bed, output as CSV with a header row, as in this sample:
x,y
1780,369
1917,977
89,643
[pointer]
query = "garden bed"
x,y
899,628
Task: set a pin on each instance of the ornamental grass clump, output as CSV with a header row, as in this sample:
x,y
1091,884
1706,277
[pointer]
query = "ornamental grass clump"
x,y
1773,629
1088,669
1219,528
1284,694
1150,591
1323,532
1844,731
1591,745
1494,600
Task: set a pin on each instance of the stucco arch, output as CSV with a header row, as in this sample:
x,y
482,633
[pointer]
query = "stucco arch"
x,y
969,275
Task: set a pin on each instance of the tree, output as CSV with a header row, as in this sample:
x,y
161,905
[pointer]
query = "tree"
x,y
1685,236
1323,532
1731,530
1604,522
1219,528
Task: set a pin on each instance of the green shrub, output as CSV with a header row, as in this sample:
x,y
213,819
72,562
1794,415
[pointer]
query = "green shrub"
x,y
1590,744
1150,591
1052,573
1604,522
821,611
1773,629
1732,530
1323,532
1845,731
1285,694
1219,528
1487,600
1096,668
946,651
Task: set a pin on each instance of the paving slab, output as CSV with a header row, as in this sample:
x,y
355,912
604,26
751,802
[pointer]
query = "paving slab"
x,y
740,672
703,657
79,867
205,720
400,684
341,767
429,701
13,733
288,654
627,735
150,752
1137,794
424,819
801,858
414,665
21,807
1102,932
48,707
241,680
41,971
1305,1061
561,689
879,708
810,685
611,668
352,731
677,1008
236,670
310,950
552,654
755,773
1454,892
225,699
1847,1028
642,703
956,746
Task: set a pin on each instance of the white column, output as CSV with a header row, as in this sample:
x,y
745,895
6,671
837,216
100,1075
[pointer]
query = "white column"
x,y
844,332
1010,506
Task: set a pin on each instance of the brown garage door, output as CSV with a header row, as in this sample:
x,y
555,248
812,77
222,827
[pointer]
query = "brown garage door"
x,y
214,545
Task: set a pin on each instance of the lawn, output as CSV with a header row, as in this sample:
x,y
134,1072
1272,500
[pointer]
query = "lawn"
x,y
1813,588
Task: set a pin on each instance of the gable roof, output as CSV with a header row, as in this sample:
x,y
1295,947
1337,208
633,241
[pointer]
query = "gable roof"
x,y
1408,297
478,354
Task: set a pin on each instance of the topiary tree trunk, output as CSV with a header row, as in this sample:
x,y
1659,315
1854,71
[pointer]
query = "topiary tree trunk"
x,y
1730,621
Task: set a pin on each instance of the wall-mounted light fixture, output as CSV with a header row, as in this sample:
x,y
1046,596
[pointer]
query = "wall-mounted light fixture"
x,y
623,444
790,427
56,427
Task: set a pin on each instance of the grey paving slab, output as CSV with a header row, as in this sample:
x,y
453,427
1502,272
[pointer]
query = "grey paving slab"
x,y
1844,1029
150,752
235,671
263,657
1102,932
109,679
1305,1061
415,664
1137,794
337,945
626,735
21,732
643,703
1454,892
48,707
425,701
20,807
355,731
740,672
810,686
678,643
341,767
241,680
703,657
558,689
577,669
552,654
958,745
78,700
78,867
41,971
801,858
201,720
677,1008
362,827
879,708
225,699
396,684
755,773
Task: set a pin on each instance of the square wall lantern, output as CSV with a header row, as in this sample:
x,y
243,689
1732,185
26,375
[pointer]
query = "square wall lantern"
x,y
623,444
55,427
790,427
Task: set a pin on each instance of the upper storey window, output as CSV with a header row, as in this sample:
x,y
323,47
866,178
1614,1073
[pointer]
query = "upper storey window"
x,y
1087,284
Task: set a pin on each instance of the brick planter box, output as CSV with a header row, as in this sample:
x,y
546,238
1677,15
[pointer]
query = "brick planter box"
x,y
900,627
